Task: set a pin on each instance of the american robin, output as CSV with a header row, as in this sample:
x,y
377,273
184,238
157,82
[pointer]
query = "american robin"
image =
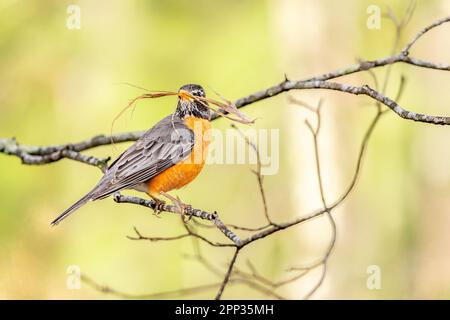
x,y
168,156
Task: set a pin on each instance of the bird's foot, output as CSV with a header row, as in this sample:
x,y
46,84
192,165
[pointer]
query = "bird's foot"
x,y
186,212
183,208
159,205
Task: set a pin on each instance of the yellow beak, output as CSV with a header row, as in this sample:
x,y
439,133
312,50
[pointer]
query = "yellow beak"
x,y
184,95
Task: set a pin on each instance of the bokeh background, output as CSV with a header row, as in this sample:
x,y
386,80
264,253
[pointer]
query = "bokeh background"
x,y
59,85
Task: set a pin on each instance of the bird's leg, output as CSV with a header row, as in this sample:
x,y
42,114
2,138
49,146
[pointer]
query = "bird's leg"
x,y
182,207
159,204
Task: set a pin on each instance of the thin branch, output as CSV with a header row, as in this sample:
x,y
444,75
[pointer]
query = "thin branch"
x,y
317,82
44,155
227,275
324,260
435,24
367,91
267,291
257,173
362,151
157,295
248,228
319,283
398,31
139,236
301,103
274,285
236,276
402,57
189,211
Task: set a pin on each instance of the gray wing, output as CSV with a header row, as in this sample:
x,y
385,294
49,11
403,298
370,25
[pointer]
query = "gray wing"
x,y
167,143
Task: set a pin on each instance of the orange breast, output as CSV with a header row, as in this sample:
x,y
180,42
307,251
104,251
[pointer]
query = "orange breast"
x,y
184,172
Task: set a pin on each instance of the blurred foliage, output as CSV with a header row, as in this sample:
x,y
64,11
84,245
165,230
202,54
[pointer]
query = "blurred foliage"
x,y
59,85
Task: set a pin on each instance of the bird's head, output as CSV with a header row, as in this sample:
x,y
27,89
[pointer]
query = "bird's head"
x,y
188,105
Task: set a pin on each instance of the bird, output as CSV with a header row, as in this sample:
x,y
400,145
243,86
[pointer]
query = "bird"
x,y
168,156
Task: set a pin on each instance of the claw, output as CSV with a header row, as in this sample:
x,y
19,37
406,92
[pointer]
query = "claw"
x,y
184,209
159,205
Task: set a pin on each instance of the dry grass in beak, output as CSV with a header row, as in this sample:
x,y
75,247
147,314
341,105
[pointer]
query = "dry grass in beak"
x,y
230,107
224,108
156,94
184,95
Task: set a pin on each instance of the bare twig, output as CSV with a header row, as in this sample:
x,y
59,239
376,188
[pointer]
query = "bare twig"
x,y
157,295
189,211
324,260
435,24
257,173
10,146
139,236
227,275
44,155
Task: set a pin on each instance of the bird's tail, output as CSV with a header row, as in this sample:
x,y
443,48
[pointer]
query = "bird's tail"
x,y
74,207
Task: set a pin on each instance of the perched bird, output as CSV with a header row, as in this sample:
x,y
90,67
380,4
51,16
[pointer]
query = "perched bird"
x,y
168,156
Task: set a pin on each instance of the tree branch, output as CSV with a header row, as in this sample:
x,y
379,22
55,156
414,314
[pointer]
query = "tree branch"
x,y
11,147
189,211
38,155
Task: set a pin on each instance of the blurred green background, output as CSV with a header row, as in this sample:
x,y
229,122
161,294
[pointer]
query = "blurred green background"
x,y
59,85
